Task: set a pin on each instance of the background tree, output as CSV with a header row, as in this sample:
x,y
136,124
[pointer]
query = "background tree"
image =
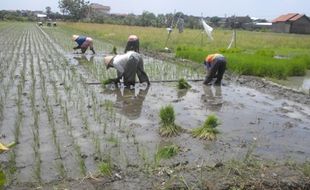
x,y
48,11
215,20
148,19
77,9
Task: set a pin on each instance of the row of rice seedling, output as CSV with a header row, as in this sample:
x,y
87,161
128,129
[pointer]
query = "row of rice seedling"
x,y
83,107
12,85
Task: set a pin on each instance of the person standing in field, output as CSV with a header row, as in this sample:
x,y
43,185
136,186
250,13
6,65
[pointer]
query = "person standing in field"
x,y
215,65
132,44
128,65
83,43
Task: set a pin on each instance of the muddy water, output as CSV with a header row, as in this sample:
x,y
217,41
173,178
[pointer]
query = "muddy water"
x,y
80,125
272,127
299,83
278,129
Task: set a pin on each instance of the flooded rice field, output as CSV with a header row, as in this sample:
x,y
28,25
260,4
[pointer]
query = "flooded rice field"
x,y
66,128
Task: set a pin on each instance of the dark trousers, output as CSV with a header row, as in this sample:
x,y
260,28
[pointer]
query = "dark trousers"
x,y
217,71
133,67
132,46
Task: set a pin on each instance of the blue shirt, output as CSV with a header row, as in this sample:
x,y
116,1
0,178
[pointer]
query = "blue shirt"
x,y
80,40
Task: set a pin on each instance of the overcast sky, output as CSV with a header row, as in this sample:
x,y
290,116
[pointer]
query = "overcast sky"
x,y
254,8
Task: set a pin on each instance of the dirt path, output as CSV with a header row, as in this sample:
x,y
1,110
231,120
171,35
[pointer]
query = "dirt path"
x,y
66,130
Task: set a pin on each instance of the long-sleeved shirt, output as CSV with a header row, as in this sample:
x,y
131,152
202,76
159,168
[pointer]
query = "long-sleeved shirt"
x,y
120,62
210,58
80,40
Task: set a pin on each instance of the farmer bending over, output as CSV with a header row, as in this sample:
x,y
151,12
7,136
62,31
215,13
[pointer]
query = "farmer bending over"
x,y
132,44
127,66
215,65
83,43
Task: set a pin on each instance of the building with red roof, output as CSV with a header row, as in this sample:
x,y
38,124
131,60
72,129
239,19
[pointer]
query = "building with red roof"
x,y
291,23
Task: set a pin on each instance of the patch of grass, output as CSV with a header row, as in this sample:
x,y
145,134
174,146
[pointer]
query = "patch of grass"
x,y
208,130
167,152
167,117
107,81
105,168
183,84
2,178
305,168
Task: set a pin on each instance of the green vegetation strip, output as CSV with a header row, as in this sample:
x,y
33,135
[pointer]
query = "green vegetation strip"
x,y
255,54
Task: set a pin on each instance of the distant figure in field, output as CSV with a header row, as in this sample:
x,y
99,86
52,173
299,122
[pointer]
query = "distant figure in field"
x,y
83,43
128,65
215,65
132,44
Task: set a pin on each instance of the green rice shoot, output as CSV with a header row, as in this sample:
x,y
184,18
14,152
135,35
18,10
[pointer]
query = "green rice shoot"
x,y
208,130
168,127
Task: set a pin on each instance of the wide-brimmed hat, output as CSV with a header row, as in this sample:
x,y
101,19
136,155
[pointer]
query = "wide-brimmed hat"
x,y
74,37
108,61
132,37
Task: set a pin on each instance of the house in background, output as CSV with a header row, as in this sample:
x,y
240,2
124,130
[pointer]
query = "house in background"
x,y
292,23
98,9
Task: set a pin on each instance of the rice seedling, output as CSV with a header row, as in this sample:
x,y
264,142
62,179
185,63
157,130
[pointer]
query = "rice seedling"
x,y
113,139
305,168
105,168
168,127
80,159
1,107
2,178
208,130
183,84
166,152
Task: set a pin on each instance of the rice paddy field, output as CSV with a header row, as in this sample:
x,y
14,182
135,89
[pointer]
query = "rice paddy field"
x,y
70,134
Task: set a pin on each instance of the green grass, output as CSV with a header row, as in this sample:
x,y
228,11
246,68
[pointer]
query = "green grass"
x,y
2,178
305,168
208,129
105,168
259,63
154,38
254,54
167,117
167,152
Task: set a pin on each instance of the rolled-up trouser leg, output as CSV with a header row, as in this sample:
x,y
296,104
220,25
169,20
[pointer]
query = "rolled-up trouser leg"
x,y
130,71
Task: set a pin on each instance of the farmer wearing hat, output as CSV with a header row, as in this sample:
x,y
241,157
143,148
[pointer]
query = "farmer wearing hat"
x,y
128,65
215,65
132,44
83,43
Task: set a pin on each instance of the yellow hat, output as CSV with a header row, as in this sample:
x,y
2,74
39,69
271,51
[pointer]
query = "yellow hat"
x,y
107,60
74,37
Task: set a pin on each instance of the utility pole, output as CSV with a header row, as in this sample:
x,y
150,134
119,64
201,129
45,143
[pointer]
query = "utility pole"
x,y
202,33
235,33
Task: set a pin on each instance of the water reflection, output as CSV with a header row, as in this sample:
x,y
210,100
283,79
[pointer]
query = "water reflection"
x,y
129,101
182,92
212,98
